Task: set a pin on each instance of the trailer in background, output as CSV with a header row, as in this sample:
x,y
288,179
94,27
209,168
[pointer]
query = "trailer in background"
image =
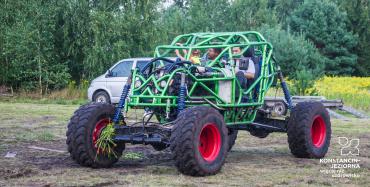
x,y
277,106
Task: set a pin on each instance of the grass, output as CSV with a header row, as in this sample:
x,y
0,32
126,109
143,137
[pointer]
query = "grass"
x,y
252,162
133,156
34,136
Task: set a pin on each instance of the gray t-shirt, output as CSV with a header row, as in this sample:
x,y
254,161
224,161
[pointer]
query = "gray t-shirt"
x,y
251,68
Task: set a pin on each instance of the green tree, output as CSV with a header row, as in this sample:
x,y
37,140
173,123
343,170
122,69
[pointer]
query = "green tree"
x,y
249,14
326,26
28,50
358,12
284,8
293,53
298,58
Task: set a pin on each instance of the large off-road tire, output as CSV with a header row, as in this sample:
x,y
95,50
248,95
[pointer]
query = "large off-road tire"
x,y
83,131
309,130
199,141
232,134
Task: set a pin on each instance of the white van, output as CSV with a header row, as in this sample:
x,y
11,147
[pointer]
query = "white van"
x,y
108,87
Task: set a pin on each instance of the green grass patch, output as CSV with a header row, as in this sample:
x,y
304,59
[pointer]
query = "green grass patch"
x,y
44,136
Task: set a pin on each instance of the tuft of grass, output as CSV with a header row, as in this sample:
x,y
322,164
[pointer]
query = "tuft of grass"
x,y
45,136
105,143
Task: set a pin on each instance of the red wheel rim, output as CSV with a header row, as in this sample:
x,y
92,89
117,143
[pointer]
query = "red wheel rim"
x,y
318,131
209,142
100,125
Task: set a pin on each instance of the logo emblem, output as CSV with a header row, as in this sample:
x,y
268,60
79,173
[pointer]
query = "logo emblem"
x,y
349,146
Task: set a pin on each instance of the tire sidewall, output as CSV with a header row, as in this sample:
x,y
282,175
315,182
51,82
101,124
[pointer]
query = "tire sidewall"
x,y
105,111
299,130
214,165
319,151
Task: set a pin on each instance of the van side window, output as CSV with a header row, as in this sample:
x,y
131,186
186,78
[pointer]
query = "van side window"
x,y
122,69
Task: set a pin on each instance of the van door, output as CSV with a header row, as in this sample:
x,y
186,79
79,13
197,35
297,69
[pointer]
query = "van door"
x,y
118,79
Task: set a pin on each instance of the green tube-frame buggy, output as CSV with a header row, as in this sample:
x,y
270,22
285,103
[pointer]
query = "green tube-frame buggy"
x,y
199,108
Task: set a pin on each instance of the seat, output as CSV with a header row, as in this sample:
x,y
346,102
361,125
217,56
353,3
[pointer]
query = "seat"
x,y
257,60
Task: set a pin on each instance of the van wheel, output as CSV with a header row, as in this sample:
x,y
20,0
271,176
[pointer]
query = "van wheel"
x,y
101,97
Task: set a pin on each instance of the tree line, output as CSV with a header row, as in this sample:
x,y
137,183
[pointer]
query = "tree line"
x,y
44,44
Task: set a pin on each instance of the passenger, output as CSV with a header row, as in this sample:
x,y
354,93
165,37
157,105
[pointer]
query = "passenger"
x,y
242,74
194,56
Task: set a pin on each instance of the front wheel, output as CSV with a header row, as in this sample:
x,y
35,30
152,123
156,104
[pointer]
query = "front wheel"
x,y
199,141
309,130
84,129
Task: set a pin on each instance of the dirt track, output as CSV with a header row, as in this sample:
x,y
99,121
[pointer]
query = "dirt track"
x,y
252,162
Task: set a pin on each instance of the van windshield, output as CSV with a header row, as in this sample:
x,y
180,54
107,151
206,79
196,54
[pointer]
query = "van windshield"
x,y
122,69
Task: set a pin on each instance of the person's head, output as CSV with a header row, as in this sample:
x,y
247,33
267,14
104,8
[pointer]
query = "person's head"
x,y
213,53
249,52
195,52
236,50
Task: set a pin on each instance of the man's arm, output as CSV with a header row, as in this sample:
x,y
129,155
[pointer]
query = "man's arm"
x,y
178,52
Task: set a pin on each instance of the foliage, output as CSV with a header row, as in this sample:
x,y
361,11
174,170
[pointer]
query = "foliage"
x,y
29,58
358,12
45,45
303,83
323,23
294,53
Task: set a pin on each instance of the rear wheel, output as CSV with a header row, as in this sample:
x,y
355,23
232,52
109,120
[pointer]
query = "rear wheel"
x,y
83,132
199,141
309,130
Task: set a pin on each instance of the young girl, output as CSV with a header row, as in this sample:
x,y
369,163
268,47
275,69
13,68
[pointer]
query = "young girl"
x,y
194,56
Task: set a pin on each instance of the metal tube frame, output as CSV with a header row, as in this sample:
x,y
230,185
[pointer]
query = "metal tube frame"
x,y
235,112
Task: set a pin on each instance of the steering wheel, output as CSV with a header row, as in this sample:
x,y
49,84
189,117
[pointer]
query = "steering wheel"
x,y
154,60
168,67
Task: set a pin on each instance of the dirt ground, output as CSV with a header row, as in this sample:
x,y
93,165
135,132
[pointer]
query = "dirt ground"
x,y
35,133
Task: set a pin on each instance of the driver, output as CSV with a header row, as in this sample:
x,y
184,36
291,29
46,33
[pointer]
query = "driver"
x,y
212,54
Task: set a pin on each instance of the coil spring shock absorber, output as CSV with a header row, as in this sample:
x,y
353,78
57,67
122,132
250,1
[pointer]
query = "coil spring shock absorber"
x,y
182,94
284,86
121,104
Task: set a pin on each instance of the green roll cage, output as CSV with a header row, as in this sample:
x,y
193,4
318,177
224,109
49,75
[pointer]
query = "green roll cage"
x,y
234,110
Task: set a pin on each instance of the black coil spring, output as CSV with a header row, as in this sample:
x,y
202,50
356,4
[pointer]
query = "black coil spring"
x,y
121,103
181,99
